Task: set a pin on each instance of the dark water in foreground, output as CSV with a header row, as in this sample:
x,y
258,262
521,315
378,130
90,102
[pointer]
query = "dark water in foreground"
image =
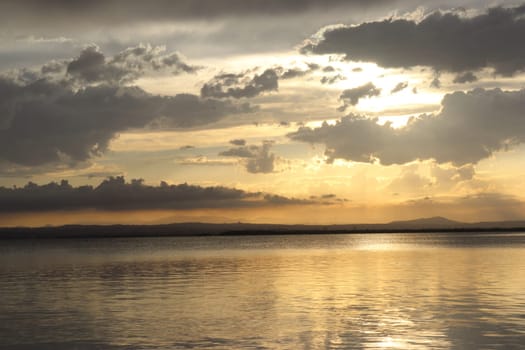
x,y
381,291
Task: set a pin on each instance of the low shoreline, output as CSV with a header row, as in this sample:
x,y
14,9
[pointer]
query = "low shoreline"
x,y
239,229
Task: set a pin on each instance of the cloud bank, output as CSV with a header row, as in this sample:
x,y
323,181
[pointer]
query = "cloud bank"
x,y
115,193
117,11
444,41
48,117
470,127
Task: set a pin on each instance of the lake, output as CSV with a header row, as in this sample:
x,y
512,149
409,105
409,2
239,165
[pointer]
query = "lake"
x,y
345,291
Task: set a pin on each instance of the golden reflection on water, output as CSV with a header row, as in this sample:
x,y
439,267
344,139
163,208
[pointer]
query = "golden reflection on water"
x,y
336,292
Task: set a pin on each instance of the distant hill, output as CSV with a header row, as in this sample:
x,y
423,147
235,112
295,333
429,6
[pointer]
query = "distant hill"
x,y
436,221
433,224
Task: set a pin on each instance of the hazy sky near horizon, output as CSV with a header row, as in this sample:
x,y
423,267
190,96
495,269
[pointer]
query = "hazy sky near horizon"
x,y
261,111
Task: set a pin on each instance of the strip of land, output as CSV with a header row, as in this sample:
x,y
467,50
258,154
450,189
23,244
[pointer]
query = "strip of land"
x,y
436,224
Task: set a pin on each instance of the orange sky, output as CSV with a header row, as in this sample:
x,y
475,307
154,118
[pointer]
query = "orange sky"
x,y
296,105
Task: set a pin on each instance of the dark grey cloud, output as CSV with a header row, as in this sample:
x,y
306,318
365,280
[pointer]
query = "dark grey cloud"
x,y
257,159
400,86
466,77
282,200
115,193
444,41
350,97
178,24
471,126
117,11
92,66
54,120
240,85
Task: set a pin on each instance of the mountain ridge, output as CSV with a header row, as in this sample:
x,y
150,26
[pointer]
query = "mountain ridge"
x,y
430,224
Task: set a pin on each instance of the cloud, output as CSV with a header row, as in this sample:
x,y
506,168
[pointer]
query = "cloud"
x,y
117,11
245,85
115,193
257,159
205,161
281,200
52,67
91,66
409,181
447,41
332,79
467,77
447,177
241,152
436,82
51,119
352,96
471,126
263,162
295,72
400,86
237,85
238,142
485,205
418,178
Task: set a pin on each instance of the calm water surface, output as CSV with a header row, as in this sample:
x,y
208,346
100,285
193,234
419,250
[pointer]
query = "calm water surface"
x,y
381,291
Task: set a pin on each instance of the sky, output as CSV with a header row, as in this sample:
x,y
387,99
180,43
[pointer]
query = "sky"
x,y
274,111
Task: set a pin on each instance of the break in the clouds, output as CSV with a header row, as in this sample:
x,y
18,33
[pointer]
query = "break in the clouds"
x,y
445,41
351,97
256,159
471,126
53,119
115,193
